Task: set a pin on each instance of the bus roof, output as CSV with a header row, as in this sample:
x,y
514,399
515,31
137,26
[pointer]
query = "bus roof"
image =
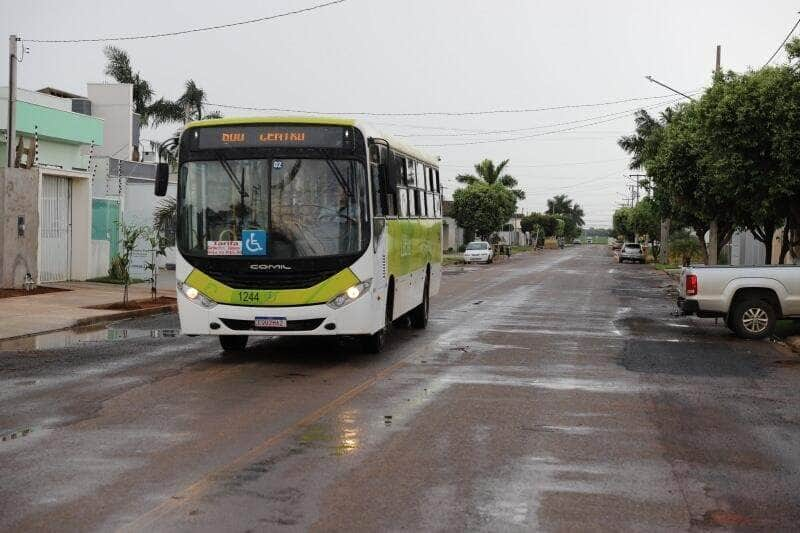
x,y
367,129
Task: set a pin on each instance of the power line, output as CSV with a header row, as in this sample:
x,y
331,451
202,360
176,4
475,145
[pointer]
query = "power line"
x,y
438,113
541,126
192,30
524,137
511,164
782,43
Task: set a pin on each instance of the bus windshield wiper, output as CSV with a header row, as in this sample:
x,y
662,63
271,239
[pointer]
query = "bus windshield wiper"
x,y
226,166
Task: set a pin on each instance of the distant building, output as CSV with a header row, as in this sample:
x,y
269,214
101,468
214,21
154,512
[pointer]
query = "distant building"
x,y
54,139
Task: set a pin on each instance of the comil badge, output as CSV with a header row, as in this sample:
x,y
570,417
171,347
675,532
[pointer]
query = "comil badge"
x,y
254,242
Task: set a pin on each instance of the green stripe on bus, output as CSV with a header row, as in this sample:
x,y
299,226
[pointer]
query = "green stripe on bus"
x,y
320,293
413,243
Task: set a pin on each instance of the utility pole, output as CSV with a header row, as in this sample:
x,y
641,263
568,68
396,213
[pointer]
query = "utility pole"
x,y
713,233
12,97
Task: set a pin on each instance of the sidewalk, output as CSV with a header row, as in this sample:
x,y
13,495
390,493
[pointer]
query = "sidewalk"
x,y
30,315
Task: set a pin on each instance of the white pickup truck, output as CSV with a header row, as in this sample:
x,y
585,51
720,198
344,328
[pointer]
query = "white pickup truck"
x,y
750,299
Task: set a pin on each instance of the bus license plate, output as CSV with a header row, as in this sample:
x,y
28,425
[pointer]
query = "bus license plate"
x,y
270,322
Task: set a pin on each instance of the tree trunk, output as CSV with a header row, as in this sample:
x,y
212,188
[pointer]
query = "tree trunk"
x,y
701,237
765,235
786,244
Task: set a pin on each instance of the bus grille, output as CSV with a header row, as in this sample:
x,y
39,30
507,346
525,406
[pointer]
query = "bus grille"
x,y
271,280
291,325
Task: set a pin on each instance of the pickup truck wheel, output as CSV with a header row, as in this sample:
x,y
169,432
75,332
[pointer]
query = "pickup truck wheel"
x,y
753,319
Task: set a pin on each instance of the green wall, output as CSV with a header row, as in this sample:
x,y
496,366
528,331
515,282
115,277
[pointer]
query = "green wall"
x,y
59,125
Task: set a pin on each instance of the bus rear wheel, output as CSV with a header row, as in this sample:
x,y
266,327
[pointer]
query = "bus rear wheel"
x,y
419,315
233,343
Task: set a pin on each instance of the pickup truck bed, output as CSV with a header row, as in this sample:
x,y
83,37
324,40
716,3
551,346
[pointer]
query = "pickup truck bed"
x,y
751,299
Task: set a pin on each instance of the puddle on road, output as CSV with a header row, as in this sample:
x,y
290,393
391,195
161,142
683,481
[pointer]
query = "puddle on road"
x,y
77,336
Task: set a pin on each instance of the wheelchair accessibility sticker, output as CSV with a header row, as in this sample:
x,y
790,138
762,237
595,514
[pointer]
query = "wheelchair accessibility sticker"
x,y
254,242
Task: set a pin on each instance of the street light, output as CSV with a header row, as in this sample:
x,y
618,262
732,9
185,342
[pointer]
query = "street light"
x,y
653,80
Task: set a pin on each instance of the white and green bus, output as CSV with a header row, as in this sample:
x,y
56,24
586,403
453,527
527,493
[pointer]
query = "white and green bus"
x,y
303,226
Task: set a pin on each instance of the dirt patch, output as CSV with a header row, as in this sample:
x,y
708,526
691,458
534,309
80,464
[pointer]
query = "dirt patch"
x,y
13,293
148,303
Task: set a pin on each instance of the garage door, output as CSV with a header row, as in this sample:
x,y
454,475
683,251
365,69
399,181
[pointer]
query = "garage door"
x,y
55,230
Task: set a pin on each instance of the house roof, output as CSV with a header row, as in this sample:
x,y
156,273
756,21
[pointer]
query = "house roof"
x,y
52,91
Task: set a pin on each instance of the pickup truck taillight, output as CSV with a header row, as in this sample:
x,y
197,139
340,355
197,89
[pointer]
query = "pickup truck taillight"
x,y
691,285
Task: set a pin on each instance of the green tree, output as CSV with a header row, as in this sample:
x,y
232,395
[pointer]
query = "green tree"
x,y
547,224
561,204
644,219
483,208
621,223
487,172
751,124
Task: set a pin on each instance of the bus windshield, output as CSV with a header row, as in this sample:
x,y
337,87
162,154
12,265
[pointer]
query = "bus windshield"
x,y
288,208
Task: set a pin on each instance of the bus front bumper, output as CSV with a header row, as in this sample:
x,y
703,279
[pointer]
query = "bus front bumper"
x,y
356,318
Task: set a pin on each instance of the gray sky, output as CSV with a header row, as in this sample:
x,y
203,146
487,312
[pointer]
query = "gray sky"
x,y
418,56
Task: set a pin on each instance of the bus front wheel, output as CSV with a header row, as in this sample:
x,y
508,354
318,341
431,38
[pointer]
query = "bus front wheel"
x,y
233,343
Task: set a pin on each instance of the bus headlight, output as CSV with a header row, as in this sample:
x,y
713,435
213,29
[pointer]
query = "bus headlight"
x,y
196,296
350,295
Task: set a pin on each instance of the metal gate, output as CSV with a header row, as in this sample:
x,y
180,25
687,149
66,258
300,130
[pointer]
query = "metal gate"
x,y
56,229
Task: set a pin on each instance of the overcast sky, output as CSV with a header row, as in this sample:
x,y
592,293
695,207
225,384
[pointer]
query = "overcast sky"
x,y
425,56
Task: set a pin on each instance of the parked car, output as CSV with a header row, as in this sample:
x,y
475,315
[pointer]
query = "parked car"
x,y
478,252
751,299
576,241
631,251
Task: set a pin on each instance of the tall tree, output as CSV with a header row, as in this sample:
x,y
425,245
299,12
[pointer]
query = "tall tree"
x,y
483,208
189,106
561,204
487,172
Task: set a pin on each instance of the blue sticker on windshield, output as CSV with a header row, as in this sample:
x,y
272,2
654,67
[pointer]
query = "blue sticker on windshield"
x,y
254,242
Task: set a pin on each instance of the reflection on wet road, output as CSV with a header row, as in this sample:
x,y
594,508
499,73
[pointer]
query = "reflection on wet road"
x,y
552,392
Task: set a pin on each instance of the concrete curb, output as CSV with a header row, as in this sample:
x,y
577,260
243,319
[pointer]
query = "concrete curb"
x,y
103,319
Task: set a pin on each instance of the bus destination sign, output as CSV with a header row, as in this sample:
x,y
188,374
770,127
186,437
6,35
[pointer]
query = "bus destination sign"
x,y
252,136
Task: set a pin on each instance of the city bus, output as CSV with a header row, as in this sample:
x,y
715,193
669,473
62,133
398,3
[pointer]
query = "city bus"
x,y
303,226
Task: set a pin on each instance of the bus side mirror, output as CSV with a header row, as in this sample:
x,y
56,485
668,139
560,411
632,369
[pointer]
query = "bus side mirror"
x,y
162,179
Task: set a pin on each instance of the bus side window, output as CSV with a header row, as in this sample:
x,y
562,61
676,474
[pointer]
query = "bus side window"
x,y
402,194
411,172
399,169
378,180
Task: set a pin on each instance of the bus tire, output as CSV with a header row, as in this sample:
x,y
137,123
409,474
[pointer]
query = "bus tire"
x,y
419,315
377,341
233,343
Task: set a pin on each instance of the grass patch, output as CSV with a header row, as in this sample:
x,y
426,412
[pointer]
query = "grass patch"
x,y
520,249
115,281
787,328
452,259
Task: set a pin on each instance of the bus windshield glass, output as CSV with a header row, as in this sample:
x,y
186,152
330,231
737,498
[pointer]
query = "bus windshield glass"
x,y
273,208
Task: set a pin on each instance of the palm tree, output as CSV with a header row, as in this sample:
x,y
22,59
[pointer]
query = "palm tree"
x,y
647,128
561,204
488,172
189,106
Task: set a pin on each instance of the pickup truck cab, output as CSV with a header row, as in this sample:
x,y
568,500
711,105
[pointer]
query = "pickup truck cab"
x,y
751,299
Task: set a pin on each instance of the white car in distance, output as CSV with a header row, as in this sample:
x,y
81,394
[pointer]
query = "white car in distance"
x,y
478,252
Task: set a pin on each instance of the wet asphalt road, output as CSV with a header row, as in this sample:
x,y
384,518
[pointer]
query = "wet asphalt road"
x,y
551,392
